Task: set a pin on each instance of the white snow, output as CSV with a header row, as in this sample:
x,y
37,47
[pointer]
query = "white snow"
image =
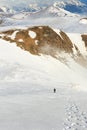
x,y
70,2
58,32
32,34
27,101
60,12
77,40
36,42
20,40
83,21
13,36
51,16
40,27
20,16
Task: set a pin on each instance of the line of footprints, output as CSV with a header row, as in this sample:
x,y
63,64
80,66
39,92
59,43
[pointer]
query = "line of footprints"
x,y
75,119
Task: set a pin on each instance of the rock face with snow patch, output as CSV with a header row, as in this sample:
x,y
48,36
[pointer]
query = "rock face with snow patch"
x,y
38,40
84,38
83,21
42,40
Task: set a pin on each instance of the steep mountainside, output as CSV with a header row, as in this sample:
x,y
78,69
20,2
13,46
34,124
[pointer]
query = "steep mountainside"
x,y
43,46
44,40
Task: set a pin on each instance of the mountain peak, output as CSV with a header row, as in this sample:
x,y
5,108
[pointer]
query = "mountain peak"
x,y
70,2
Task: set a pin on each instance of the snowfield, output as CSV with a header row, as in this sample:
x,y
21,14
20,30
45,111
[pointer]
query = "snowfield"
x,y
27,101
83,21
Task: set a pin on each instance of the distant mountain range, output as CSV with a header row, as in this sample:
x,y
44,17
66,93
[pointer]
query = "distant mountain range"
x,y
74,6
69,16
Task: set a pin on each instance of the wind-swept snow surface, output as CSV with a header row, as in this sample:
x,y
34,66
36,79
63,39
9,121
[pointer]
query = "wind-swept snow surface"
x,y
27,101
83,21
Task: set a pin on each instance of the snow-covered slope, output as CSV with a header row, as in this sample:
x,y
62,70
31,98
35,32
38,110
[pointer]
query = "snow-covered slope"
x,y
69,57
29,6
45,40
74,6
6,10
53,14
50,11
19,65
32,6
59,11
83,21
27,101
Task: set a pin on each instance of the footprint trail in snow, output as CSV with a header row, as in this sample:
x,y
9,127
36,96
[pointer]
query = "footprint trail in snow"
x,y
75,119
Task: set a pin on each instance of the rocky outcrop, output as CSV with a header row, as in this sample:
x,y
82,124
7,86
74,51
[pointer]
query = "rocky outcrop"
x,y
84,38
45,41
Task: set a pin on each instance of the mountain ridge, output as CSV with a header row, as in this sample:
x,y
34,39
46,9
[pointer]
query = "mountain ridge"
x,y
36,6
45,40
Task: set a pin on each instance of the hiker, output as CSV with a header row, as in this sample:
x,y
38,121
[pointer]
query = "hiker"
x,y
54,90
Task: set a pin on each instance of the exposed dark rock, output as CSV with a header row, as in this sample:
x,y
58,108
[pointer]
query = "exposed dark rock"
x,y
84,38
46,41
